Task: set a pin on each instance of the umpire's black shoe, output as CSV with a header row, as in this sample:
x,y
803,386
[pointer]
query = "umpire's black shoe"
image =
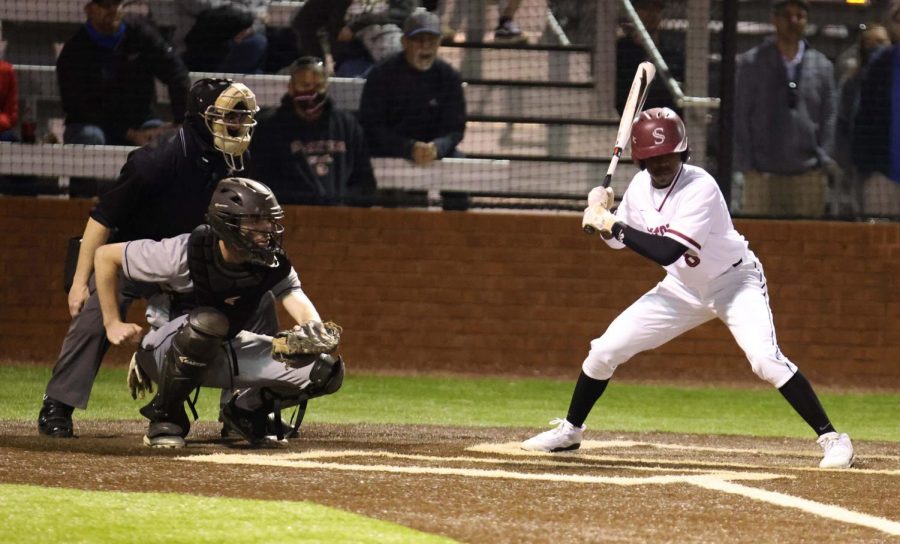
x,y
55,419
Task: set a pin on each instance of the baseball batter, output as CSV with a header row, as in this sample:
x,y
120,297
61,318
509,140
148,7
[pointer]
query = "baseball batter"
x,y
675,215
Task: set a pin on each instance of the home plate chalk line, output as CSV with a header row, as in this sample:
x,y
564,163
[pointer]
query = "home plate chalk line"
x,y
717,477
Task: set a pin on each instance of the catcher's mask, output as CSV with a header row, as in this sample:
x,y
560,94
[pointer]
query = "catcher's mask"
x,y
244,214
228,110
658,131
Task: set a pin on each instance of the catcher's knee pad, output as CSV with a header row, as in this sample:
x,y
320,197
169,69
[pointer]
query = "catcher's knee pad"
x,y
326,376
198,340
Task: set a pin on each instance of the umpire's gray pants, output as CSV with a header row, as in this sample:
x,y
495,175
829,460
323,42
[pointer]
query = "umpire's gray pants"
x,y
243,363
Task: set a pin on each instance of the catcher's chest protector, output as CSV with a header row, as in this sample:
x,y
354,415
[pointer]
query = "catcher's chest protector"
x,y
236,292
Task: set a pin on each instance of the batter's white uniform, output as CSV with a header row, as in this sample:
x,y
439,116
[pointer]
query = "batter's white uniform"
x,y
717,277
250,354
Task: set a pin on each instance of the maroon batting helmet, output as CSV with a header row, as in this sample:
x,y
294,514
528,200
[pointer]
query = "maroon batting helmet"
x,y
655,132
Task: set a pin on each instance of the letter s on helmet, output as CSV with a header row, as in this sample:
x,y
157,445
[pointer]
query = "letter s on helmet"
x,y
228,110
655,132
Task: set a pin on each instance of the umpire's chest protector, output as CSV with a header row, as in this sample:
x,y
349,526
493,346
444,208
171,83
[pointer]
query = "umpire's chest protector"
x,y
235,291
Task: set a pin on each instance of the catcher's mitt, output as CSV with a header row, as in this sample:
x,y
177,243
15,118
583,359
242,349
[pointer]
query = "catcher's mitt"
x,y
311,338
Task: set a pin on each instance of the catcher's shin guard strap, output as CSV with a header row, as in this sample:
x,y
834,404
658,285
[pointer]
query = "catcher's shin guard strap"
x,y
273,401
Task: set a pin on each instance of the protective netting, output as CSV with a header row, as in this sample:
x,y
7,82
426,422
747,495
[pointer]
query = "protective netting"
x,y
542,85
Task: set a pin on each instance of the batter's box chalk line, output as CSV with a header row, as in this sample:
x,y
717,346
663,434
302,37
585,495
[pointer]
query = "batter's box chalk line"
x,y
717,480
514,449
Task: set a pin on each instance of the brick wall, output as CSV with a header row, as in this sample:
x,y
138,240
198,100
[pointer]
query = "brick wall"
x,y
499,292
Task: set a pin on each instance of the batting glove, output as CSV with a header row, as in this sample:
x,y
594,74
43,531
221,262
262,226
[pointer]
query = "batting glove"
x,y
602,196
600,218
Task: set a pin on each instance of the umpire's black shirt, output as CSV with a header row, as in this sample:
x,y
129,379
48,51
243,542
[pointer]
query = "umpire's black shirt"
x,y
163,190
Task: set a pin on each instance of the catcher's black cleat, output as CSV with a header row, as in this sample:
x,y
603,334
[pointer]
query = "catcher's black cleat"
x,y
55,419
287,430
164,434
249,425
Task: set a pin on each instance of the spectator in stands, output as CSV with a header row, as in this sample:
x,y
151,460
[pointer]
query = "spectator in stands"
x,y
876,134
328,16
9,103
377,24
630,53
222,35
784,120
849,194
106,77
308,151
508,30
412,104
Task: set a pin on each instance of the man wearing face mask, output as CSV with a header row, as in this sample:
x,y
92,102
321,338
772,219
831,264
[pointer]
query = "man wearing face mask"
x,y
412,104
308,151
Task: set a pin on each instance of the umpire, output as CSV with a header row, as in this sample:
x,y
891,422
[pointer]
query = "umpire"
x,y
163,190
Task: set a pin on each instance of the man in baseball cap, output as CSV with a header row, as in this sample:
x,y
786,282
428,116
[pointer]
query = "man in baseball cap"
x,y
422,22
412,104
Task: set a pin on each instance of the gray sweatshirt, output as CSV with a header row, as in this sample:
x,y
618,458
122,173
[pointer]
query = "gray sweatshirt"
x,y
771,135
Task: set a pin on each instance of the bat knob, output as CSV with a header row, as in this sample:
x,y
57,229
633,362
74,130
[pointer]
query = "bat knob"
x,y
589,229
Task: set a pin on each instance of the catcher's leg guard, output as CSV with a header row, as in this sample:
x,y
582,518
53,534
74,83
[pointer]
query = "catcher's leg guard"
x,y
325,378
186,362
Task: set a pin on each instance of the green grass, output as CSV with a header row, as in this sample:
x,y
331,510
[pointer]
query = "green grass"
x,y
33,514
511,403
37,514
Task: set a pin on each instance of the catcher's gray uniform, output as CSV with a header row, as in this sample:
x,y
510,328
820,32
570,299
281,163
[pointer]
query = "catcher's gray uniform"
x,y
244,362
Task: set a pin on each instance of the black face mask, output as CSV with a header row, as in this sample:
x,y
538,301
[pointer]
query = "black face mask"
x,y
311,102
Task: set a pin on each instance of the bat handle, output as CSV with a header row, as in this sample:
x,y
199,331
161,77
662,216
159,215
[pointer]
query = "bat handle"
x,y
589,230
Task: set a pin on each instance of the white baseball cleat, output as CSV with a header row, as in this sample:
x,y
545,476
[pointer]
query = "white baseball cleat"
x,y
838,451
564,437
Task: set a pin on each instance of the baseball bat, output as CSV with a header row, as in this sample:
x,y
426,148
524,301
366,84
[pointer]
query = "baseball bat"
x,y
637,95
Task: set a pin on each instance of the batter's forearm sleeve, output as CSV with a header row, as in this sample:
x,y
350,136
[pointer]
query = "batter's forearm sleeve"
x,y
659,249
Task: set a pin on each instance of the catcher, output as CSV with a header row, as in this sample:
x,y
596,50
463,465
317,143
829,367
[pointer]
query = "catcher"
x,y
218,273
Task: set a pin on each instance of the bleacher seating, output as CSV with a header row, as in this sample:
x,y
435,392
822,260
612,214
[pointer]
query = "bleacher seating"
x,y
470,175
161,11
543,115
505,120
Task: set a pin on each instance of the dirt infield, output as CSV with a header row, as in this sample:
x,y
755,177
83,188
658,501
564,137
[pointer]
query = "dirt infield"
x,y
474,485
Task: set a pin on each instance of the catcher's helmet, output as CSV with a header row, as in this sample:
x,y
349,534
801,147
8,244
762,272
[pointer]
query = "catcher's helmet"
x,y
228,110
655,132
244,213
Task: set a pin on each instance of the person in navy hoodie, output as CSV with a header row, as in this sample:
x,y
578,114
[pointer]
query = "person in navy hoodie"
x,y
308,151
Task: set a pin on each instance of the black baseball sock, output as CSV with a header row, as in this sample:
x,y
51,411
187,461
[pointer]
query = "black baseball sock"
x,y
587,391
799,393
503,19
